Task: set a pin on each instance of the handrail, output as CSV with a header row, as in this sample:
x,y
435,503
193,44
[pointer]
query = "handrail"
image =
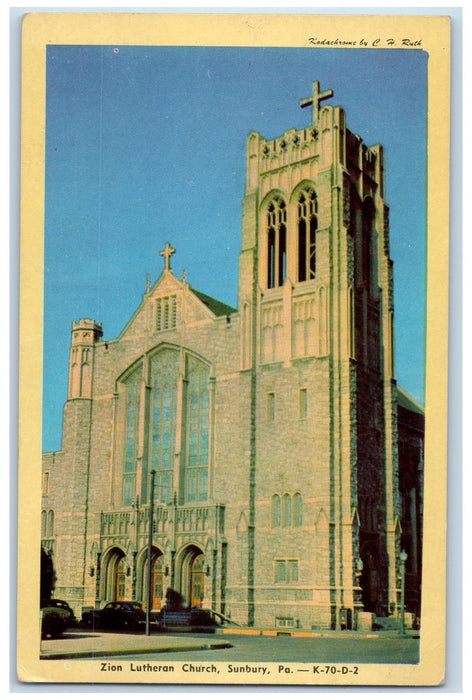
x,y
223,617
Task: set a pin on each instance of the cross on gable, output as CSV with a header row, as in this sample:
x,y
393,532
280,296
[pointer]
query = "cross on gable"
x,y
316,99
166,254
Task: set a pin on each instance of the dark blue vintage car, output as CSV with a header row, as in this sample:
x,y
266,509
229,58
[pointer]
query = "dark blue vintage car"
x,y
117,615
56,617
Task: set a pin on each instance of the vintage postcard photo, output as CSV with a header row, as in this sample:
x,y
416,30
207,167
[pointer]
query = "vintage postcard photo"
x,y
233,351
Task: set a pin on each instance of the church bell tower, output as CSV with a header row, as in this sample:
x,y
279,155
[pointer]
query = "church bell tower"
x,y
316,306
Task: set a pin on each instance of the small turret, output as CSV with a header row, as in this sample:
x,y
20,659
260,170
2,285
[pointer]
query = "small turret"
x,y
85,333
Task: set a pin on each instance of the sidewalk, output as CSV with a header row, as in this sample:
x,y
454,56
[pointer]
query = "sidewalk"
x,y
83,644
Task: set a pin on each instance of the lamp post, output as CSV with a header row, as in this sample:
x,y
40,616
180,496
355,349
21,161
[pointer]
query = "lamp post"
x,y
403,558
149,572
135,505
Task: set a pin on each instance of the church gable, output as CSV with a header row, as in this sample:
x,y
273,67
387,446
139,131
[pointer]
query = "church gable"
x,y
171,302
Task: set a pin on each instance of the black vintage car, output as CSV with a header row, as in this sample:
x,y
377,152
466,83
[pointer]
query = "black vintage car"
x,y
58,603
117,615
56,616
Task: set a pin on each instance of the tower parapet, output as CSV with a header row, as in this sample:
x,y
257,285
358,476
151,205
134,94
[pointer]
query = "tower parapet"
x,y
85,333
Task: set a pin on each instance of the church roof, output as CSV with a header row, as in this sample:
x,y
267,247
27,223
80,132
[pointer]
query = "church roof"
x,y
215,306
408,402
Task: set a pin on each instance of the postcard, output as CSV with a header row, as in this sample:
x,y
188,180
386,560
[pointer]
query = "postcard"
x,y
233,349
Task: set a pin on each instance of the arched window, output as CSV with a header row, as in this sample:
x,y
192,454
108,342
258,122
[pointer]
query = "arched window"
x,y
286,510
163,413
44,520
307,225
50,524
275,510
173,412
198,423
133,390
297,510
276,242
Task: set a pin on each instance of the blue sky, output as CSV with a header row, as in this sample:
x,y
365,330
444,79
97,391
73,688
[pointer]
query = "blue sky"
x,y
147,144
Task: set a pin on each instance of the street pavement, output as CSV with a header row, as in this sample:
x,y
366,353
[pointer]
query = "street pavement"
x,y
82,643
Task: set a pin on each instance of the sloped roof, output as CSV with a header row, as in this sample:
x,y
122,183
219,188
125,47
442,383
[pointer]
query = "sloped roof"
x,y
215,306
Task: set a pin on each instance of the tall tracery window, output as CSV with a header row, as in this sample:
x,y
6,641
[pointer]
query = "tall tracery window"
x,y
276,242
198,421
307,224
176,408
163,413
133,390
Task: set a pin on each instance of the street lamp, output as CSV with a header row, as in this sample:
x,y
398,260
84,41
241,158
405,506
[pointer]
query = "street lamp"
x,y
149,572
403,558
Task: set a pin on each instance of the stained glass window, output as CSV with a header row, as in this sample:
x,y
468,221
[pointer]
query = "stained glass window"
x,y
133,390
164,395
161,414
198,422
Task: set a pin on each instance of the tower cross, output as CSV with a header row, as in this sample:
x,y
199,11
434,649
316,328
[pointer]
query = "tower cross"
x,y
166,254
316,99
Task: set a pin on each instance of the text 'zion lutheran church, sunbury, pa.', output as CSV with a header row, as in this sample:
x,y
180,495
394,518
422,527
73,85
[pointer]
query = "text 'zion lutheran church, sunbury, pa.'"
x,y
288,464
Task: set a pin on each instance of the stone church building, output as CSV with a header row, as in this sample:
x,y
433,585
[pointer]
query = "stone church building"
x,y
270,432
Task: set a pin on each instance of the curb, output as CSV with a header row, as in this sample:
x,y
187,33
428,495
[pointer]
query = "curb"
x,y
125,652
317,634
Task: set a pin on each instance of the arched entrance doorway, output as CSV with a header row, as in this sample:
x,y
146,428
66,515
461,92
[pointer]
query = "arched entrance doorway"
x,y
192,576
115,575
157,582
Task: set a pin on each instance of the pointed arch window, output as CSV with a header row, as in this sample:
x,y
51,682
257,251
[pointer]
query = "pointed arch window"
x,y
276,242
133,390
163,418
286,510
307,224
167,429
275,510
297,510
44,520
198,422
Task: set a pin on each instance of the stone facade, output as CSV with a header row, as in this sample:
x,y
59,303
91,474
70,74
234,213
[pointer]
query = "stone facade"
x,y
268,433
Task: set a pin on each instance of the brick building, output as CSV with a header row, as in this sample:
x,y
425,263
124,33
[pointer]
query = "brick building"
x,y
268,432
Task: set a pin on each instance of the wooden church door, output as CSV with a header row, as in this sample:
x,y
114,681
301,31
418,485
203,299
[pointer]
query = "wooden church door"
x,y
197,581
120,587
157,584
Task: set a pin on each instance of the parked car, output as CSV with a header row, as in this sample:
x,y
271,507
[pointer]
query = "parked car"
x,y
118,614
58,603
56,616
